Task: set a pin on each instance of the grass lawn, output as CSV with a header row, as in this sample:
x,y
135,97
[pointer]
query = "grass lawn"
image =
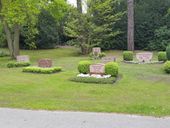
x,y
143,89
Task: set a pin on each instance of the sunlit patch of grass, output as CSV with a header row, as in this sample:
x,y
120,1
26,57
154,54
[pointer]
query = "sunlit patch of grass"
x,y
142,89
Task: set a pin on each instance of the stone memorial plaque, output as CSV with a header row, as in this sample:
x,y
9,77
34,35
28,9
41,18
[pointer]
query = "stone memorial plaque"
x,y
96,51
108,59
97,69
144,57
23,58
45,63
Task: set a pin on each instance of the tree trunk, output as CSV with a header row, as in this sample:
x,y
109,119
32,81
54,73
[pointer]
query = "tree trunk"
x,y
79,6
16,40
9,39
13,40
130,25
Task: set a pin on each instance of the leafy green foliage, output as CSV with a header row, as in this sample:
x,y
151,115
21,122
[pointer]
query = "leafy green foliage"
x,y
48,34
94,29
104,18
112,69
94,80
18,11
160,40
162,56
167,67
101,55
78,26
168,52
3,54
128,55
3,42
58,9
84,67
146,24
18,64
42,70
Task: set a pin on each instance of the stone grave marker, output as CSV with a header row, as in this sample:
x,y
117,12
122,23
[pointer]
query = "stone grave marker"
x,y
108,59
96,51
23,58
144,57
45,63
97,69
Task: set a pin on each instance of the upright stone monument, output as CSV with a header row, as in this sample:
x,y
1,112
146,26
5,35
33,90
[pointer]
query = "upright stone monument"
x,y
97,69
144,57
45,63
96,51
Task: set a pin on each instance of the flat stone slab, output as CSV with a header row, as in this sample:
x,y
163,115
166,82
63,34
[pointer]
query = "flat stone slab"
x,y
45,63
15,118
23,58
108,59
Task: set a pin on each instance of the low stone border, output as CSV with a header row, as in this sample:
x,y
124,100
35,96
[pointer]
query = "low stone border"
x,y
136,62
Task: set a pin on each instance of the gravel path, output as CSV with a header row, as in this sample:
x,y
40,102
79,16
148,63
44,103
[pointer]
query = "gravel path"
x,y
15,118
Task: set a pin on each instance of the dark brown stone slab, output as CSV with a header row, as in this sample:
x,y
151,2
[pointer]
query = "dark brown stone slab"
x,y
45,63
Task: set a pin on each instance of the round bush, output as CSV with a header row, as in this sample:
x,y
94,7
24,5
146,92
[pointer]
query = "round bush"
x,y
167,67
128,55
112,69
101,55
168,52
162,56
84,67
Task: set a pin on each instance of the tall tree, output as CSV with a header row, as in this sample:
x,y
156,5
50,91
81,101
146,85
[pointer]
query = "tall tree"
x,y
96,27
14,14
130,25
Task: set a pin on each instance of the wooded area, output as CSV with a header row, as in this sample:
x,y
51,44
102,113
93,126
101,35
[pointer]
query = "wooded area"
x,y
109,24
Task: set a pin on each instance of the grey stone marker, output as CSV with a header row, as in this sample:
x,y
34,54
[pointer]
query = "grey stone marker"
x,y
23,58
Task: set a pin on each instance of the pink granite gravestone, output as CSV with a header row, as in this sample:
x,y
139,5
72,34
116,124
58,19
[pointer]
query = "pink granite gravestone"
x,y
45,63
23,58
144,57
97,69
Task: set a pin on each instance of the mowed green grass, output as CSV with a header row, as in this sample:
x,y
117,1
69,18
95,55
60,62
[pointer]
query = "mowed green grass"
x,y
143,89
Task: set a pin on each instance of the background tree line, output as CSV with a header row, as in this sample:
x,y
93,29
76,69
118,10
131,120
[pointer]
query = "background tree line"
x,y
55,22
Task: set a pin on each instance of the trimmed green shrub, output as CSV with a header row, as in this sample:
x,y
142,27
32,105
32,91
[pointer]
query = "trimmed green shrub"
x,y
84,67
3,54
42,70
94,80
128,55
101,55
162,56
18,64
112,69
167,67
168,52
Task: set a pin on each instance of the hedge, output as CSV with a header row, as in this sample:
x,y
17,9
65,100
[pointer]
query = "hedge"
x,y
84,67
167,67
94,80
162,56
18,64
42,70
128,55
112,69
